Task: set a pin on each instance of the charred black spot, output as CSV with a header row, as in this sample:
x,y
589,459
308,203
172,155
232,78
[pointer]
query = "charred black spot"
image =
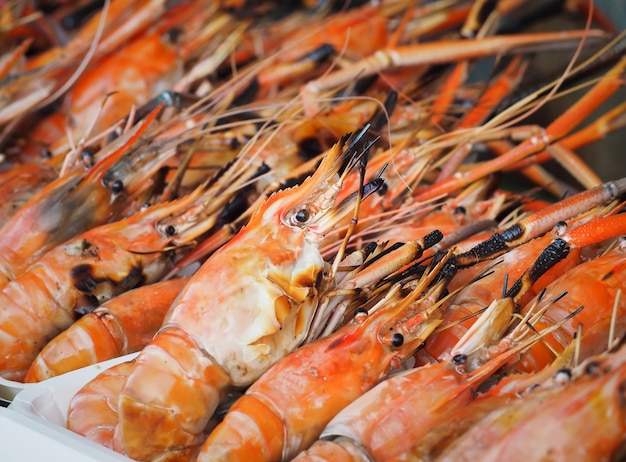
x,y
233,209
432,238
380,118
83,278
492,247
248,94
134,278
549,257
515,289
85,305
369,248
293,181
309,147
383,189
320,54
318,279
88,249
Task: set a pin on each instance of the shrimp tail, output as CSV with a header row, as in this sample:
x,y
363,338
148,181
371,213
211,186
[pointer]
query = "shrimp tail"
x,y
172,353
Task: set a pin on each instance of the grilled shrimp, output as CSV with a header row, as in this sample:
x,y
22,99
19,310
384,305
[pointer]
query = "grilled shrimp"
x,y
93,409
78,200
262,293
584,419
124,324
284,411
76,276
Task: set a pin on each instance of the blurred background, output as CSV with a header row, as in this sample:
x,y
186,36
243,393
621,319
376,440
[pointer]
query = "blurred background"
x,y
608,156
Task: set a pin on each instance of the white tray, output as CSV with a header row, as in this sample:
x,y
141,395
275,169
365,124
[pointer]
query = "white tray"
x,y
9,388
33,426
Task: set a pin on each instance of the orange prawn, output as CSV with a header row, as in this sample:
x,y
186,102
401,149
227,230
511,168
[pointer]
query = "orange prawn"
x,y
585,417
299,395
513,263
123,325
144,68
78,200
414,402
268,276
92,410
78,275
603,277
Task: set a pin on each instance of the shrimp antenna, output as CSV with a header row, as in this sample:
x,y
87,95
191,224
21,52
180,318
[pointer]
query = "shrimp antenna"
x,y
614,319
506,282
365,143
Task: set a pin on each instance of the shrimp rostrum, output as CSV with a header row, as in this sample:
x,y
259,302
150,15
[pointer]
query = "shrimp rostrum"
x,y
249,305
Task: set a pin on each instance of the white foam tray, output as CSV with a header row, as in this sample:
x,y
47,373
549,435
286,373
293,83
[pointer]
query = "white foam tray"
x,y
33,426
9,388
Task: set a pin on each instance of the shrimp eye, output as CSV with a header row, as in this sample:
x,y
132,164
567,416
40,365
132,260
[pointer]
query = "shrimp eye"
x,y
117,186
170,230
397,340
302,216
459,359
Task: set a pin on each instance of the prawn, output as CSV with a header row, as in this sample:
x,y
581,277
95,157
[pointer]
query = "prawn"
x,y
458,316
414,402
594,399
92,411
75,277
268,277
78,200
143,69
284,411
603,277
123,325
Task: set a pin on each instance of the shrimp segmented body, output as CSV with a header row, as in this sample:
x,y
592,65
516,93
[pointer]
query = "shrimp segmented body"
x,y
123,325
268,277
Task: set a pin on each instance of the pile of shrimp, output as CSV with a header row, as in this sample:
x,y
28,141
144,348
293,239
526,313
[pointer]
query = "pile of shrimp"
x,y
327,229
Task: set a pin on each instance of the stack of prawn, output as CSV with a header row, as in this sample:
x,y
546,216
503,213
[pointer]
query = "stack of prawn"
x,y
296,214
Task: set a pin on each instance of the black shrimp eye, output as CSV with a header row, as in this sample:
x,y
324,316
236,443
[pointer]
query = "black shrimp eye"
x,y
172,35
459,359
87,156
397,340
46,153
460,210
170,230
117,186
302,215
